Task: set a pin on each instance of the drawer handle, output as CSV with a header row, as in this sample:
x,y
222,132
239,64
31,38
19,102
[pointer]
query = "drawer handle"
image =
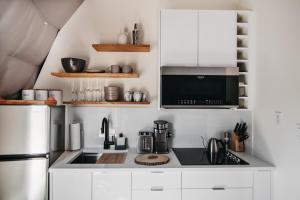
x,y
218,188
157,188
157,172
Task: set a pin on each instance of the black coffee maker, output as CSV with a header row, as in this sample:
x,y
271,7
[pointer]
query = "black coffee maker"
x,y
161,137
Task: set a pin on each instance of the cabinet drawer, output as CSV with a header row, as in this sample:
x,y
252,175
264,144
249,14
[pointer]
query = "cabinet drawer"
x,y
148,180
157,195
209,194
217,178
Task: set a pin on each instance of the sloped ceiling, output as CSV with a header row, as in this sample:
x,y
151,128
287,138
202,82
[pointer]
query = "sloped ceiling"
x,y
27,30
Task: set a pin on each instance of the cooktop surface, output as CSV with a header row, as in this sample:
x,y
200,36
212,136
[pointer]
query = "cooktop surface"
x,y
199,156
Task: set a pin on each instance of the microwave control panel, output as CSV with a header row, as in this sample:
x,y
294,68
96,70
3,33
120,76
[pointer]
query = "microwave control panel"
x,y
200,102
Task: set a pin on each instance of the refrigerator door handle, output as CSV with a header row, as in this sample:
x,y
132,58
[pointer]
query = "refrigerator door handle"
x,y
22,157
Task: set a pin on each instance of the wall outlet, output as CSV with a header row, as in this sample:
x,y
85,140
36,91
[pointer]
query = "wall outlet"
x,y
298,131
278,117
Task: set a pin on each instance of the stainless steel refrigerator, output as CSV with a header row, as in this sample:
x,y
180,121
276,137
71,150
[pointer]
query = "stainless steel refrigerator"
x,y
31,139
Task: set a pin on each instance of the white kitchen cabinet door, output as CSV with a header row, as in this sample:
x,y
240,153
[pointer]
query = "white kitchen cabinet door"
x,y
209,194
71,185
262,185
156,194
112,186
217,39
179,36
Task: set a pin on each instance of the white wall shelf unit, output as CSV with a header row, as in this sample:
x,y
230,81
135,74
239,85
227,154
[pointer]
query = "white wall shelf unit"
x,y
243,29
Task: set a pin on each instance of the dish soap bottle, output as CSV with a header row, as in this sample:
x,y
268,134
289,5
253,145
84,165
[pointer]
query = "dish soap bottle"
x,y
135,34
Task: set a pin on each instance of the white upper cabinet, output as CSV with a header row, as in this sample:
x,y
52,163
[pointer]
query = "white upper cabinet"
x,y
179,34
198,38
217,38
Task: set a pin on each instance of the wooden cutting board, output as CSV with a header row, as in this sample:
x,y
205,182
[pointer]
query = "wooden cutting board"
x,y
112,158
152,159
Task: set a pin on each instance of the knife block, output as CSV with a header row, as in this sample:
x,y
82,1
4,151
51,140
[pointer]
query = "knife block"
x,y
235,144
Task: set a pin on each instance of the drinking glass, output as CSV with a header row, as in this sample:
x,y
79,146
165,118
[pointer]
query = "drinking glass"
x,y
99,91
88,91
74,92
81,96
94,90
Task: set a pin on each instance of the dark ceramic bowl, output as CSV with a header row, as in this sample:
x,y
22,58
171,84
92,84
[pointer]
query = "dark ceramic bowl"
x,y
73,65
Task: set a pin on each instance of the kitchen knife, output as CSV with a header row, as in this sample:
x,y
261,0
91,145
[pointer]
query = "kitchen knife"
x,y
243,138
236,127
239,129
243,129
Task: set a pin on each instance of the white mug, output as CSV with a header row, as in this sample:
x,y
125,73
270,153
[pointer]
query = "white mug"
x,y
28,94
137,96
41,95
128,96
57,95
144,98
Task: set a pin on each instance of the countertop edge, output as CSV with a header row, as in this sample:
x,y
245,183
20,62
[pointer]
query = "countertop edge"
x,y
61,164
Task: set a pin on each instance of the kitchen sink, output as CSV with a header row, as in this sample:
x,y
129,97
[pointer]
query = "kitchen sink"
x,y
86,158
100,158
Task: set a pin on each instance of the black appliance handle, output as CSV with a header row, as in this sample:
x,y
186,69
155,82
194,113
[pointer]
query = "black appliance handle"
x,y
22,157
222,143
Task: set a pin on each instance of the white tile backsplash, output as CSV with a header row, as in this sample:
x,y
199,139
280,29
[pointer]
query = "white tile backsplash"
x,y
187,125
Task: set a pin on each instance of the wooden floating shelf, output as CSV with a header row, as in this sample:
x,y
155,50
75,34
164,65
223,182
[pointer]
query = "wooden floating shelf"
x,y
28,102
106,103
95,75
122,47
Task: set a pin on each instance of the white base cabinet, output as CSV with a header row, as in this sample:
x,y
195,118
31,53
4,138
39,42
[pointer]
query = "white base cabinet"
x,y
112,186
262,184
210,194
165,184
158,185
71,185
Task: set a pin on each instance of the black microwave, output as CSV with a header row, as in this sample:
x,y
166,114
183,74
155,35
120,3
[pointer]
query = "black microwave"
x,y
199,87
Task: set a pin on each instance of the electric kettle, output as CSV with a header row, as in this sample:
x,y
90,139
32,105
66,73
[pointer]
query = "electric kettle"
x,y
215,151
215,145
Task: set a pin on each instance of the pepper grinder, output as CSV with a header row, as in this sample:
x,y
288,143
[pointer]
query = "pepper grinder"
x,y
135,34
226,140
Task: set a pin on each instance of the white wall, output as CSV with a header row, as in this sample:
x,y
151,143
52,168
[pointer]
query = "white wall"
x,y
277,90
277,76
100,21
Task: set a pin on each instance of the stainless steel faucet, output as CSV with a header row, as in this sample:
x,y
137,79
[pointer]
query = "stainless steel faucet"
x,y
105,130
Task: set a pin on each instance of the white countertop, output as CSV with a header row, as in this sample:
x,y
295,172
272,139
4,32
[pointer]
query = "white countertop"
x,y
63,163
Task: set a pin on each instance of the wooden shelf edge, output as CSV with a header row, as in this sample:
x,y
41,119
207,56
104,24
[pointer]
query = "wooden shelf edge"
x,y
105,103
28,102
94,75
121,47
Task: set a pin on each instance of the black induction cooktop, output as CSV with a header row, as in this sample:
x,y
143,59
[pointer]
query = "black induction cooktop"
x,y
199,156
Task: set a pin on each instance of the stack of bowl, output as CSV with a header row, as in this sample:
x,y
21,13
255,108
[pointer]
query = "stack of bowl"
x,y
111,93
